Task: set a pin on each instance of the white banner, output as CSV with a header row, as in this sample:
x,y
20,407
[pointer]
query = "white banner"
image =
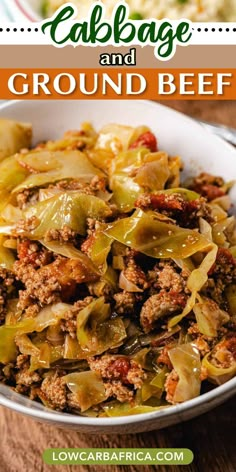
x,y
25,33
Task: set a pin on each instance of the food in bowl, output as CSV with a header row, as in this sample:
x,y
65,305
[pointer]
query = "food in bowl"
x,y
195,10
118,281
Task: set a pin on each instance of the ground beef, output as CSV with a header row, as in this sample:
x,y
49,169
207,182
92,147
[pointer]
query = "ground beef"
x,y
22,360
208,186
202,345
224,353
214,288
27,197
160,305
134,274
126,302
221,274
53,391
118,368
185,213
62,185
91,224
63,235
87,244
166,275
33,253
224,268
69,323
170,385
97,184
53,282
41,287
119,391
27,378
163,358
24,227
24,378
7,287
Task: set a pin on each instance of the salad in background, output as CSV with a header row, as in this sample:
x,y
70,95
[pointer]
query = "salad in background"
x,y
195,10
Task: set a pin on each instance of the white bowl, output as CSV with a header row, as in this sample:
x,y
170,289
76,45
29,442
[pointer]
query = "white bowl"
x,y
199,150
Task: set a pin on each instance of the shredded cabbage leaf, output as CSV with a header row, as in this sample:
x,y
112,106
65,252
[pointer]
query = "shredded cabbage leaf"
x,y
14,136
186,362
47,167
7,257
117,138
218,374
96,332
87,387
147,234
71,252
48,316
196,281
124,409
67,209
133,171
210,318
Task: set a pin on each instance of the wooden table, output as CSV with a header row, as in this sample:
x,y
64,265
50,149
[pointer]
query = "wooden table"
x,y
211,436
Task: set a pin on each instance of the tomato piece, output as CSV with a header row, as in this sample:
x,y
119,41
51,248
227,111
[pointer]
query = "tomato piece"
x,y
147,140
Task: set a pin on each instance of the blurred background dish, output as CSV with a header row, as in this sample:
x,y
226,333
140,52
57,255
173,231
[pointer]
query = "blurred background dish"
x,y
195,10
22,10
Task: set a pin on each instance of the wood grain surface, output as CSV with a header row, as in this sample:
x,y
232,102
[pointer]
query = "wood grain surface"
x,y
211,437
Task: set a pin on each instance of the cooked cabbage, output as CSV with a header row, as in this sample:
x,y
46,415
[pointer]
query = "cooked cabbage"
x,y
14,136
145,232
187,364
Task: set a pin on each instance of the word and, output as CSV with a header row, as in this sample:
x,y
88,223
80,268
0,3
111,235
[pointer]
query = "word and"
x,y
118,59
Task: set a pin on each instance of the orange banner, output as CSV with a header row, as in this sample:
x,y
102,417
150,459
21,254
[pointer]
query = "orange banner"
x,y
115,83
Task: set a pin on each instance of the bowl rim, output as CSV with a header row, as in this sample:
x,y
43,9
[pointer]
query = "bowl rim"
x,y
215,396
226,390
